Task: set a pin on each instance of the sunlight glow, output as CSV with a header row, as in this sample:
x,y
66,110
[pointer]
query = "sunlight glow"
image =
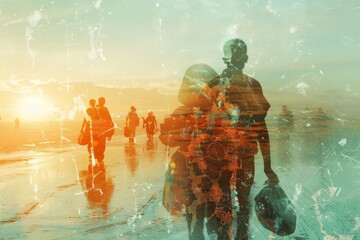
x,y
34,108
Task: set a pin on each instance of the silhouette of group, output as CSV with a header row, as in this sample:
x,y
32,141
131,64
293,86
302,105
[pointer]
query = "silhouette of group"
x,y
96,128
218,131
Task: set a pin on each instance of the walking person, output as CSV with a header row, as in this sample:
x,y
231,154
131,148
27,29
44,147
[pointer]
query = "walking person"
x,y
150,124
189,187
240,112
106,129
132,121
17,123
90,117
105,115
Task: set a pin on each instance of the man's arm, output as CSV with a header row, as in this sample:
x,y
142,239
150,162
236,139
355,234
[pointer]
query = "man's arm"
x,y
264,143
107,114
261,108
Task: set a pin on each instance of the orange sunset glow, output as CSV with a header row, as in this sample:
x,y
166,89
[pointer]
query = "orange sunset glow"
x,y
34,108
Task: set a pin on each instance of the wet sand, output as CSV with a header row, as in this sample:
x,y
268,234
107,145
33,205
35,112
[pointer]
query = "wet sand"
x,y
48,193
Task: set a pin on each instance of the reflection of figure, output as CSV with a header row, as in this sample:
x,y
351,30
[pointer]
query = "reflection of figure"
x,y
240,123
98,188
286,119
285,125
132,120
150,145
150,124
17,123
131,161
316,134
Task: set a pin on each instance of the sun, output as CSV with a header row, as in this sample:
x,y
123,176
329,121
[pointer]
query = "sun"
x,y
34,108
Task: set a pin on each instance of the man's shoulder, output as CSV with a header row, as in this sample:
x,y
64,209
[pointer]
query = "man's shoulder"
x,y
251,80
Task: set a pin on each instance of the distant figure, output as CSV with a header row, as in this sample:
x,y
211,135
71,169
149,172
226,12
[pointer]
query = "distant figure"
x,y
17,123
316,130
285,125
132,121
320,118
285,119
151,125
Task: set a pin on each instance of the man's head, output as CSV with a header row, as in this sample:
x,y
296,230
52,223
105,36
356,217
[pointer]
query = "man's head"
x,y
133,109
235,53
101,101
92,102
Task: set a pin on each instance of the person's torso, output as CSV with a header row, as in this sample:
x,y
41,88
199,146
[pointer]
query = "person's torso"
x,y
93,113
104,113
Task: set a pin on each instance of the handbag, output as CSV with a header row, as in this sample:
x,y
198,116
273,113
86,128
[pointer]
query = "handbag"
x,y
83,139
126,131
275,211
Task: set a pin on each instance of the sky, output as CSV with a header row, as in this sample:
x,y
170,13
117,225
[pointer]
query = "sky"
x,y
303,45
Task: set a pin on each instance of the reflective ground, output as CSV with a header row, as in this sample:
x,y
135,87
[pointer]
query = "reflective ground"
x,y
54,194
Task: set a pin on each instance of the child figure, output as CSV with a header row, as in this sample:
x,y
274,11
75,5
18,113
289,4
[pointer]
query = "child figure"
x,y
186,128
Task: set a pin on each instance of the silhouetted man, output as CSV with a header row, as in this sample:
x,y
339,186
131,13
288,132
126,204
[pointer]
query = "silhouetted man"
x,y
107,129
105,115
239,123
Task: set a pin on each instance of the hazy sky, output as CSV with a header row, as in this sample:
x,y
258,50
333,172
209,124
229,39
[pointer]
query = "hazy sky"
x,y
291,44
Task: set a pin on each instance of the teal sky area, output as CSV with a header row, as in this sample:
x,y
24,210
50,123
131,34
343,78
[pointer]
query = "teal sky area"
x,y
150,43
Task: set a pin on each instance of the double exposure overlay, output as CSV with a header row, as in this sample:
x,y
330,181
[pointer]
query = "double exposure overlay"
x,y
156,119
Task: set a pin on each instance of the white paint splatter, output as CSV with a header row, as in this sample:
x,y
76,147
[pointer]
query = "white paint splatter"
x,y
342,142
92,54
298,191
270,8
357,224
302,88
101,54
34,19
28,39
293,29
97,4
